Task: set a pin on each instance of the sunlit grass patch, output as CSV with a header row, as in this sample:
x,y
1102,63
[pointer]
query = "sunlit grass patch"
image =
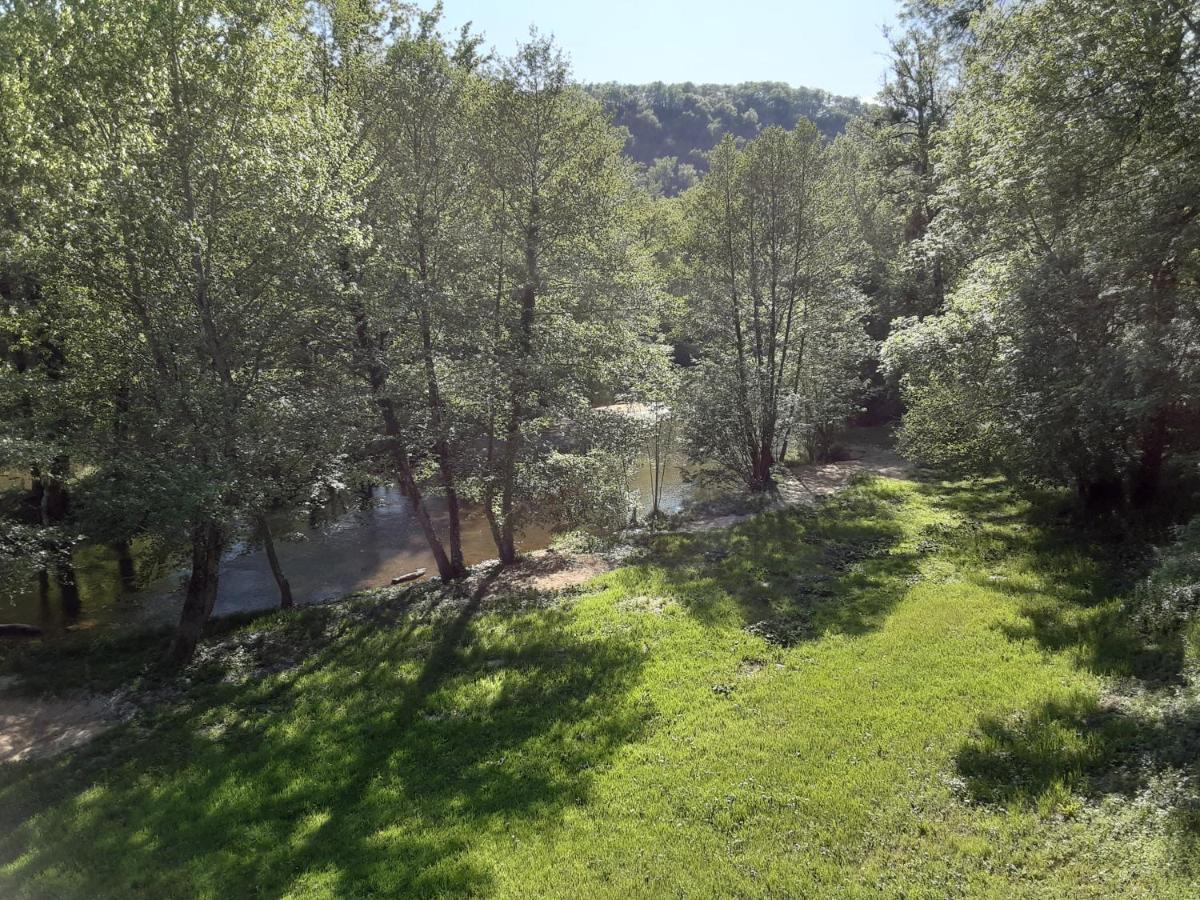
x,y
908,691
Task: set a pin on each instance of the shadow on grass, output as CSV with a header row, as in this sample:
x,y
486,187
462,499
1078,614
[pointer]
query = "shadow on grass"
x,y
1081,569
1081,748
372,771
834,568
1143,744
1079,745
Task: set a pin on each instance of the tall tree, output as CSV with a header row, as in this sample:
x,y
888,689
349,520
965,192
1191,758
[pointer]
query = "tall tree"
x,y
191,210
424,214
371,56
1069,351
566,285
771,243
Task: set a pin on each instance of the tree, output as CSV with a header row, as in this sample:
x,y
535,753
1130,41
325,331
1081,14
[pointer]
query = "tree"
x,y
917,100
566,281
421,212
393,87
1069,351
771,242
192,209
668,177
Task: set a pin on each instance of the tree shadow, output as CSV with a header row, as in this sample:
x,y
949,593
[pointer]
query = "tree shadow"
x,y
1101,639
1142,742
830,568
1085,567
1084,747
373,769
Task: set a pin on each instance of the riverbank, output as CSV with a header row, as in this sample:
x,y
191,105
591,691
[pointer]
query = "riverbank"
x,y
34,724
910,688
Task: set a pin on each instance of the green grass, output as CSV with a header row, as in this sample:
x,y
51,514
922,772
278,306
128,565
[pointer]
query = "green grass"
x,y
937,696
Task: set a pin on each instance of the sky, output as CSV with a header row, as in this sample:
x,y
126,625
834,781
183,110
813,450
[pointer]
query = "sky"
x,y
836,45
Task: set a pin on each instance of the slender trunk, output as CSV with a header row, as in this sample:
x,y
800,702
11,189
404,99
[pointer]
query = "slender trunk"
x,y
201,594
489,490
744,414
408,483
285,589
68,587
51,491
655,475
126,571
441,444
377,379
507,546
43,587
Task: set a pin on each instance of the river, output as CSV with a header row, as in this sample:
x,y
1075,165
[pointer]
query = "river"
x,y
359,543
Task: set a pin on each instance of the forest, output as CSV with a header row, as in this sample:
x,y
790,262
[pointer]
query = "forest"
x,y
426,474
672,128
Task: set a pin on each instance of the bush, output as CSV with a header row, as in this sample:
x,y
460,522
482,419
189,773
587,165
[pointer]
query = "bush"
x,y
1168,599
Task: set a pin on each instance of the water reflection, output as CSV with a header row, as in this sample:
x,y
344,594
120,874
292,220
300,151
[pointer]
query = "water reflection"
x,y
359,540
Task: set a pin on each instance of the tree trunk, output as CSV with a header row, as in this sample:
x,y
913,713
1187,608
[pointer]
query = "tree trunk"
x,y
68,588
507,545
761,478
285,589
1099,495
201,595
55,500
377,379
489,491
442,446
126,570
1150,466
416,500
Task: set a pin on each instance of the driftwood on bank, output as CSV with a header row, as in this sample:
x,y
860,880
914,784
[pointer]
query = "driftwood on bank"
x,y
408,576
15,630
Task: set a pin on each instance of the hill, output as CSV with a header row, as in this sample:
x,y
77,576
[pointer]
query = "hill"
x,y
687,120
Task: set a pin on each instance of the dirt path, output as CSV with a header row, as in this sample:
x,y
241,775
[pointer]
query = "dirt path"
x,y
33,727
810,483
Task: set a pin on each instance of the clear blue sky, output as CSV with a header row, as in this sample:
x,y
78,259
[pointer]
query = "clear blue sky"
x,y
830,44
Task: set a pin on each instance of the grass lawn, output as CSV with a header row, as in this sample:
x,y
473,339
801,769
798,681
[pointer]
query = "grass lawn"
x,y
920,689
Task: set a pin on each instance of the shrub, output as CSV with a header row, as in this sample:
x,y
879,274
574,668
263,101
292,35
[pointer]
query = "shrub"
x,y
1168,599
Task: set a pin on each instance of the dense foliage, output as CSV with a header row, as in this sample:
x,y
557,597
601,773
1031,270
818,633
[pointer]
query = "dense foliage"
x,y
773,305
1168,599
255,251
1069,350
260,252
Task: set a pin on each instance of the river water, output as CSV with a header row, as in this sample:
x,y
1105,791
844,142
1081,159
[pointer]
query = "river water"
x,y
362,546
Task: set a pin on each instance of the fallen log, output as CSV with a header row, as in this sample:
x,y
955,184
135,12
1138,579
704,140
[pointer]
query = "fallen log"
x,y
16,630
408,576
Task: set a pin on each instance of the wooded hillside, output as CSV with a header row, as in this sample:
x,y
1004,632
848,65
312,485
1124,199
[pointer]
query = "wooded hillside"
x,y
686,121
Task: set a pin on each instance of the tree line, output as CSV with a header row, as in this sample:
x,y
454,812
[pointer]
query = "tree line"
x,y
255,251
1058,340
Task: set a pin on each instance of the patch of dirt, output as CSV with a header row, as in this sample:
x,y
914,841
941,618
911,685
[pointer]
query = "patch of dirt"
x,y
546,571
37,727
809,483
786,631
748,668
